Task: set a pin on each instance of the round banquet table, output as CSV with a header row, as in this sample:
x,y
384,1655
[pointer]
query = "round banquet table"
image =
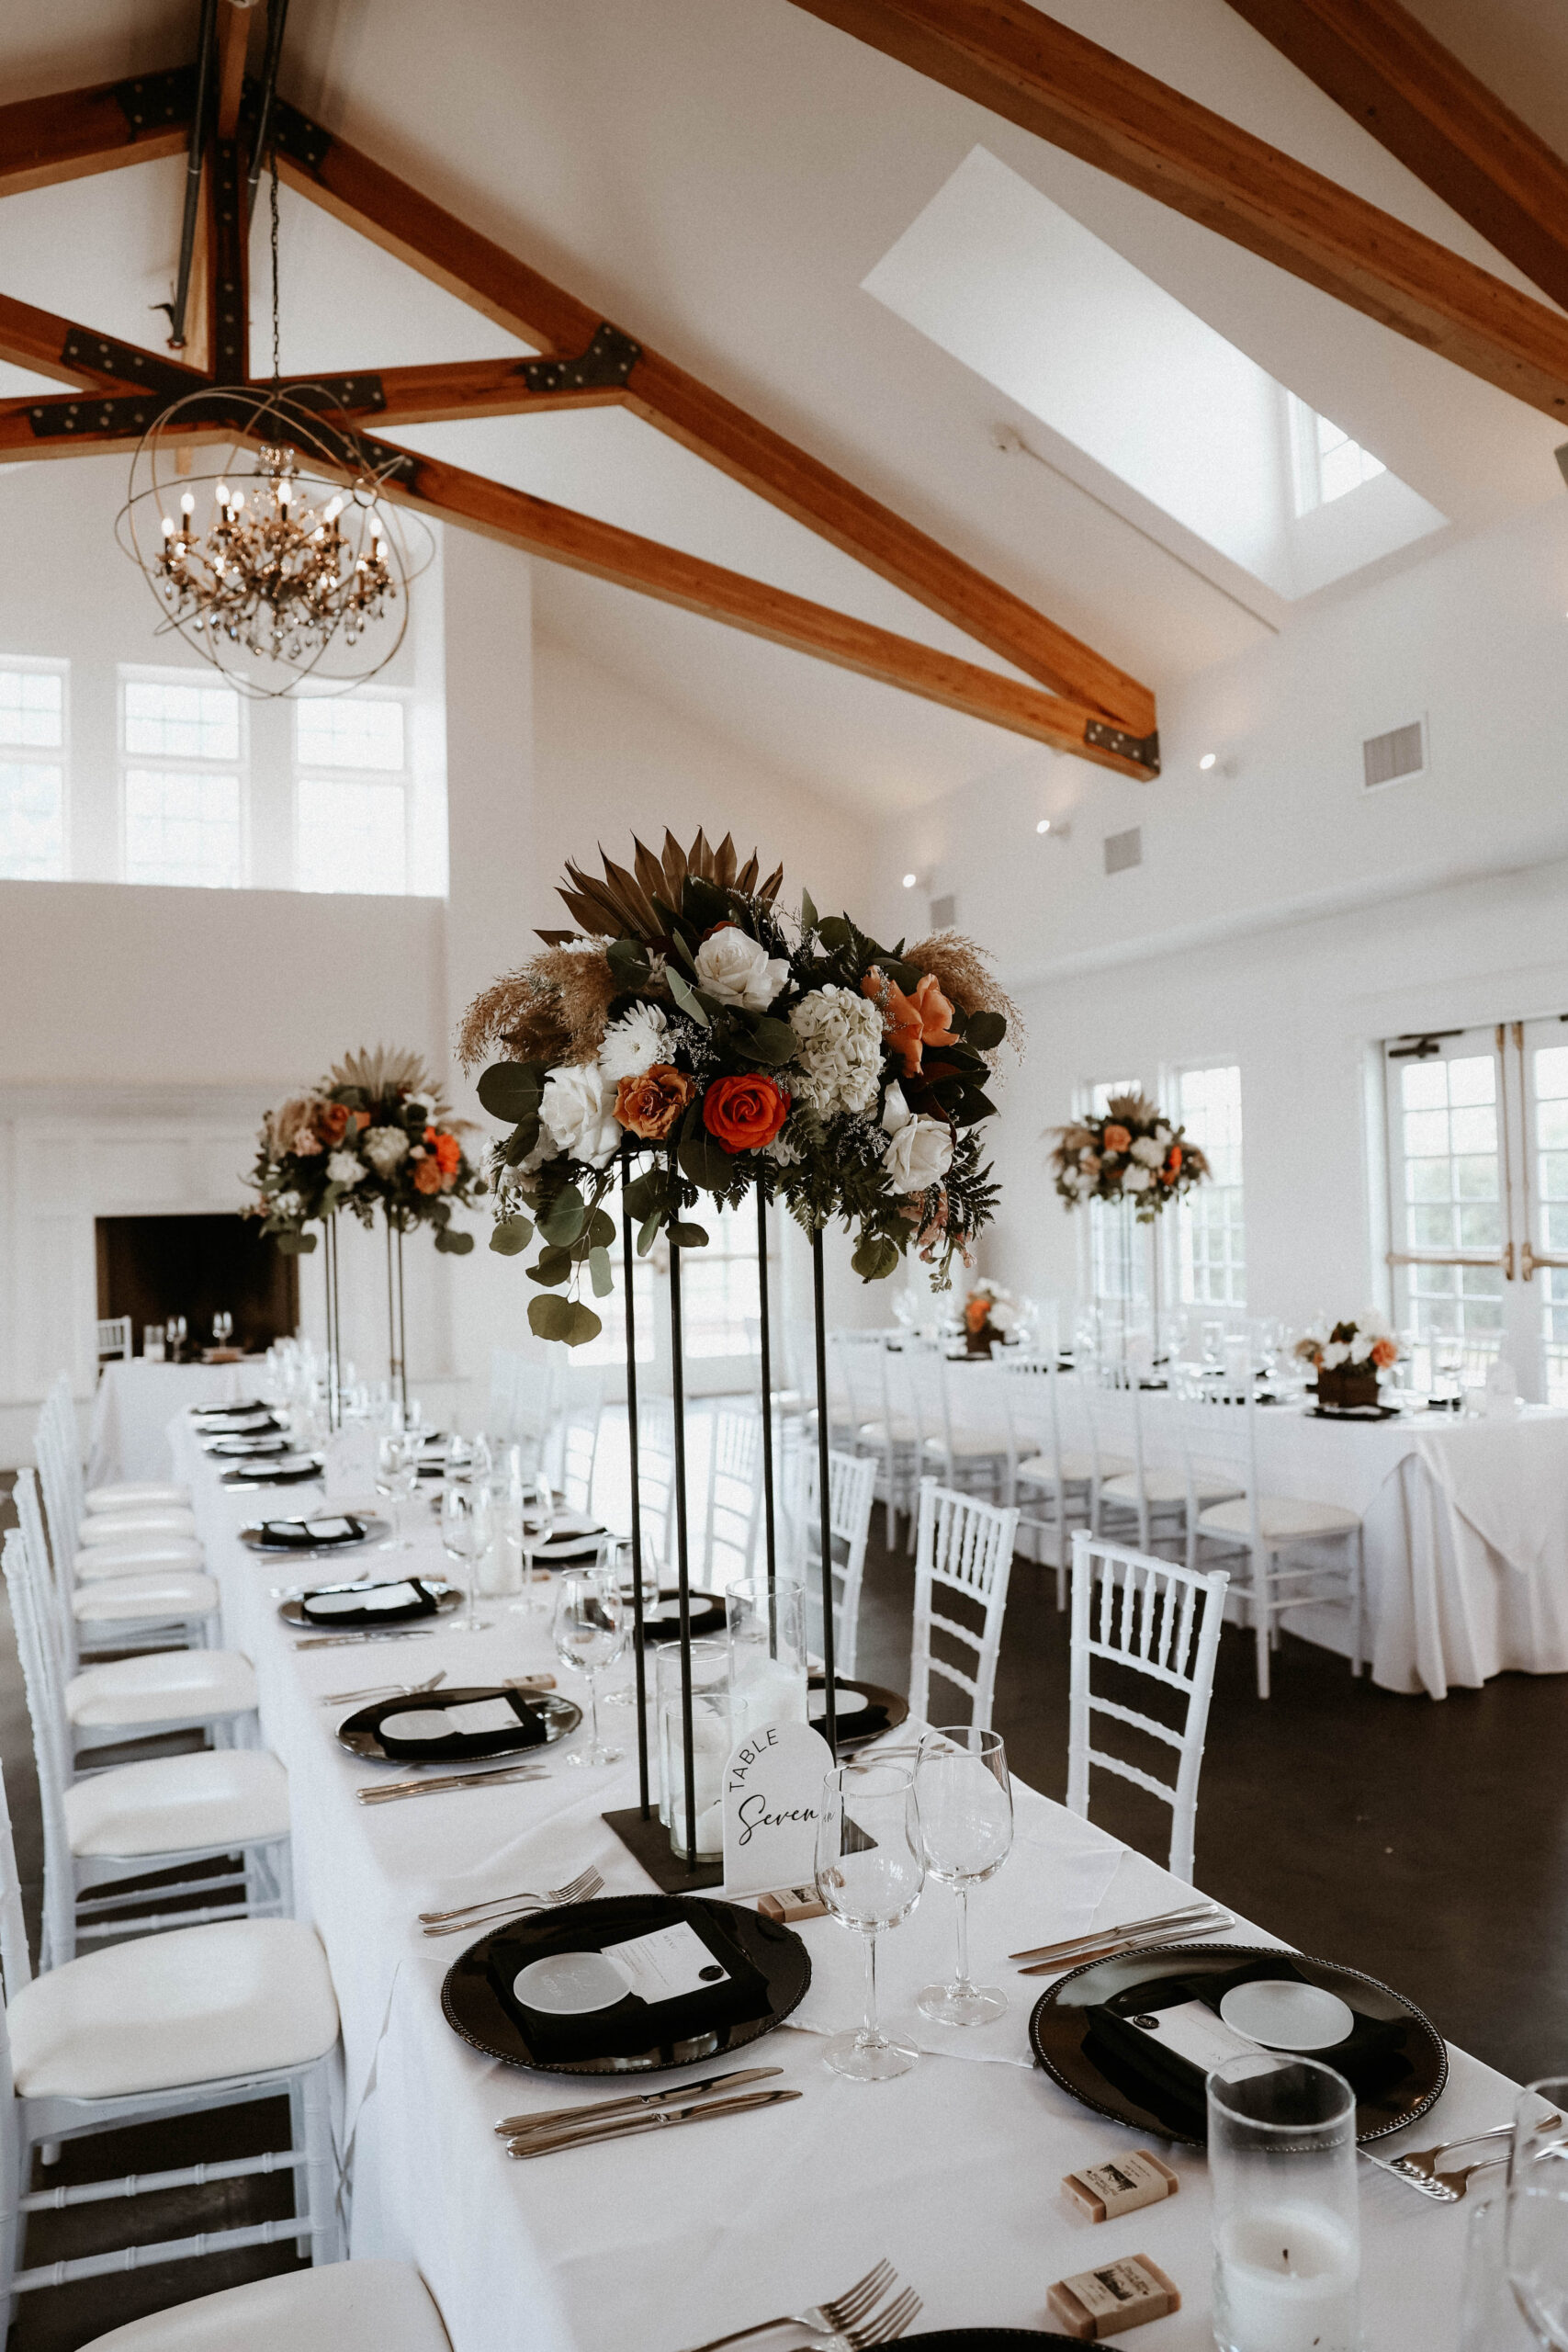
x,y
953,2173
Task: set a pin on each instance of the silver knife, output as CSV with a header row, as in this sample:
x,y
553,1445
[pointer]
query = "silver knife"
x,y
389,1792
1113,1934
342,1641
656,2119
511,2126
1117,1946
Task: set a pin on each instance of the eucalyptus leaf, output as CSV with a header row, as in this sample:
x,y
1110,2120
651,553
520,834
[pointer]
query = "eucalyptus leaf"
x,y
645,1193
768,1041
984,1031
510,1090
454,1244
807,911
706,1163
296,1245
550,1318
600,1268
874,1257
647,1233
562,1221
686,996
511,1236
600,1231
690,1237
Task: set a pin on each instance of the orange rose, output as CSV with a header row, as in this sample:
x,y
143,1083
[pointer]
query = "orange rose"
x,y
744,1114
1173,1159
1117,1139
332,1123
447,1149
362,1120
1385,1353
976,1313
651,1102
427,1175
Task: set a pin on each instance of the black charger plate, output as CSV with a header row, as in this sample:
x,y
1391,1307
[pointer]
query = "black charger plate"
x,y
983,2339
1371,1414
360,1733
272,1474
474,2010
891,1711
292,1613
1060,2027
371,1530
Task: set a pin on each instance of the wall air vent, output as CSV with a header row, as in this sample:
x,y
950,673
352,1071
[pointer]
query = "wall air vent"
x,y
1122,850
945,912
1388,759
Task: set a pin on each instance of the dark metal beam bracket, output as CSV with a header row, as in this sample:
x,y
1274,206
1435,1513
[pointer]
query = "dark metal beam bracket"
x,y
608,360
1144,749
154,100
100,354
130,414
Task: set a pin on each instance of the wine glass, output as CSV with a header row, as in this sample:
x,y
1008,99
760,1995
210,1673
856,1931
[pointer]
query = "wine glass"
x,y
465,1531
222,1327
537,1525
965,1802
1536,2228
397,1472
591,1623
869,1873
616,1554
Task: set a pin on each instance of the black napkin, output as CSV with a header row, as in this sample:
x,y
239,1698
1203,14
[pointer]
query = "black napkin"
x,y
294,1534
632,2026
530,1730
865,1722
350,1619
213,1412
269,1427
707,1618
1372,2057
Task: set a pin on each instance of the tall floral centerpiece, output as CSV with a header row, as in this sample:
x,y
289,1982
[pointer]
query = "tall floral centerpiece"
x,y
1132,1155
1349,1359
726,1047
990,1314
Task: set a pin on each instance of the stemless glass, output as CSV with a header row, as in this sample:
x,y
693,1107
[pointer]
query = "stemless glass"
x,y
537,1525
869,1873
397,1471
1286,2222
616,1554
965,1802
222,1327
465,1530
590,1634
1536,2228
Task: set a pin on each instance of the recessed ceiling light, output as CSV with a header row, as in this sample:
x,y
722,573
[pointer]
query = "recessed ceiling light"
x,y
1044,826
1208,760
910,880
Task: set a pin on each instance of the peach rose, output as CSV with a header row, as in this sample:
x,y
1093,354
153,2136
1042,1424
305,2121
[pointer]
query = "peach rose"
x,y
1385,1353
901,1024
935,1013
976,1312
745,1112
1116,1138
427,1175
330,1123
650,1102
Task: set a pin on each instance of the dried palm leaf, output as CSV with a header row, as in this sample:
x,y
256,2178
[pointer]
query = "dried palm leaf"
x,y
385,1072
1133,1109
621,905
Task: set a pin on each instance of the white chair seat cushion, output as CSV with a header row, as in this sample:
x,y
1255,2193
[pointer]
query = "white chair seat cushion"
x,y
118,1599
897,1430
140,1559
1077,1469
241,1997
1281,1520
342,2307
971,1444
138,1494
165,1686
224,1796
1170,1487
110,1526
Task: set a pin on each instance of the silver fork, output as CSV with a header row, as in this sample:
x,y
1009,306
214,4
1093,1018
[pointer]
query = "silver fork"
x,y
1422,2164
883,2328
382,1690
580,1888
833,2318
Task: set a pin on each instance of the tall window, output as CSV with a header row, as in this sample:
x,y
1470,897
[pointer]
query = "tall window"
x,y
1211,1225
182,783
350,793
1118,1255
719,1286
1326,461
1449,1206
32,773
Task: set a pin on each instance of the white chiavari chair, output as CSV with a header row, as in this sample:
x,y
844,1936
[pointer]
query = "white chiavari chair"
x,y
1266,1529
572,1452
852,1491
963,1546
732,1517
141,1591
114,1339
208,2017
167,1813
881,1422
138,1495
142,1697
370,2306
1158,1619
962,1425
1051,1480
523,1399
1162,1483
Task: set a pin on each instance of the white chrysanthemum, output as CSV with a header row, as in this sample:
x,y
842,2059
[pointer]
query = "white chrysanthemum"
x,y
289,1205
838,1051
345,1168
1147,1153
384,1148
634,1041
578,1113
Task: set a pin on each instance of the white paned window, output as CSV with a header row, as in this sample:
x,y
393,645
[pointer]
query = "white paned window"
x,y
1326,461
32,786
183,827
1119,1254
721,1315
183,782
350,793
1211,1221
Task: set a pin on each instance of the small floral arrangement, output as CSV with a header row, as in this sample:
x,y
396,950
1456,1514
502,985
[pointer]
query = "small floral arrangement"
x,y
1367,1345
731,1046
1134,1153
990,1313
374,1135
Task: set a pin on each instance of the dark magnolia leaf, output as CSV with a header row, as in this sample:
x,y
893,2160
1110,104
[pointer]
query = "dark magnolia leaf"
x,y
600,1268
562,1221
628,959
984,1031
703,904
551,1268
455,1244
807,911
706,1163
296,1245
975,1107
521,1141
834,932
510,1090
767,1041
511,1236
689,1237
686,997
874,1257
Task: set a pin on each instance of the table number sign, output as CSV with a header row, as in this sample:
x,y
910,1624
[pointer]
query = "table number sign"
x,y
773,1789
348,1466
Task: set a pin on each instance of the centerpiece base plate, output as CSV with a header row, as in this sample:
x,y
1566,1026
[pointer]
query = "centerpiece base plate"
x,y
649,1841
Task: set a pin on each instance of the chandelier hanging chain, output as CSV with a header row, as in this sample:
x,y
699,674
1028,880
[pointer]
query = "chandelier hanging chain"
x,y
274,192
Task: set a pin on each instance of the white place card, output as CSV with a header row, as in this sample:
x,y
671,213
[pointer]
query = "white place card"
x,y
348,1470
773,1791
341,1604
668,1964
474,1715
1191,2031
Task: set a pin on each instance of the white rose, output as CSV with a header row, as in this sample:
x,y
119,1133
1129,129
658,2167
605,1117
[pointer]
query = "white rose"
x,y
738,970
384,1148
289,1205
1370,1325
633,1042
838,1051
1335,1353
1136,1180
577,1113
1161,1136
1146,1152
344,1168
919,1151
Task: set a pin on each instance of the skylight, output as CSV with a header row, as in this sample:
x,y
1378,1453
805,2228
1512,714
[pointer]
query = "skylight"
x,y
1013,286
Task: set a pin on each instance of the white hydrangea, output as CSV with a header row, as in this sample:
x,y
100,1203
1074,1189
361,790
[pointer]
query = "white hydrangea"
x,y
634,1041
577,1113
1136,1180
289,1205
1147,1153
384,1148
345,1168
838,1051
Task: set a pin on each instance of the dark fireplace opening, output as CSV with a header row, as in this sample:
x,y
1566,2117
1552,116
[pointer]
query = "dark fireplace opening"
x,y
153,1267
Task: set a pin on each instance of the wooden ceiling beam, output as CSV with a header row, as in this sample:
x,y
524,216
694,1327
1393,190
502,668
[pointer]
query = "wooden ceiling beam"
x,y
452,389
607,552
1011,59
404,221
1379,62
77,133
233,40
76,355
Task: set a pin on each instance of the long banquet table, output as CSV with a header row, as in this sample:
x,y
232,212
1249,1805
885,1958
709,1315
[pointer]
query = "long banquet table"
x,y
129,1438
954,2171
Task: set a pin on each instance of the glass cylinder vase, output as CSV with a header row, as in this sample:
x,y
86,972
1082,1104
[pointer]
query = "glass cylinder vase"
x,y
1287,2228
766,1634
711,1744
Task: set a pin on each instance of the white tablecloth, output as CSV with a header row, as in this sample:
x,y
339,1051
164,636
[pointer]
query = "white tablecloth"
x,y
132,1409
953,2172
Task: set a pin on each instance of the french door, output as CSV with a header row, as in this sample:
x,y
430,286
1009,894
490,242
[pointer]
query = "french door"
x,y
1478,1210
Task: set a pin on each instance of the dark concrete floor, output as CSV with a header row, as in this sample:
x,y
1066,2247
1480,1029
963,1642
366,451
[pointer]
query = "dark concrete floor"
x,y
1426,1844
